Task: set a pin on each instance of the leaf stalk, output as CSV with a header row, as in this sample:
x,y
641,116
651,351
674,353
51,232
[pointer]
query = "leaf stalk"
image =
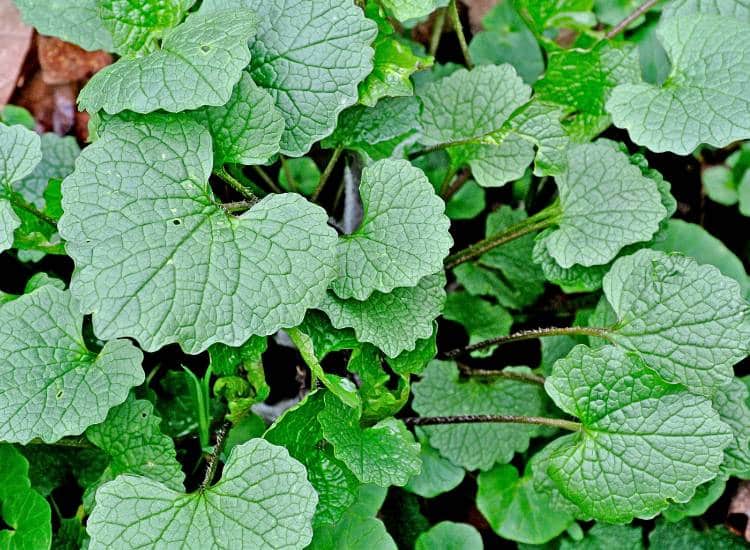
x,y
492,418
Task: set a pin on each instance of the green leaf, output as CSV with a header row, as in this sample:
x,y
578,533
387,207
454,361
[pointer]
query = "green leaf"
x,y
720,185
546,14
245,130
263,500
384,454
403,236
684,320
603,536
643,444
438,475
136,27
448,535
515,509
380,398
703,99
404,10
677,536
705,496
10,115
606,204
75,21
394,322
173,266
134,444
24,511
9,222
310,56
58,160
416,360
692,240
481,319
228,361
730,8
467,203
299,431
507,39
731,402
20,152
198,64
476,446
304,176
61,387
325,337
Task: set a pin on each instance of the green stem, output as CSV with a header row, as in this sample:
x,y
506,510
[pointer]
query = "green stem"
x,y
18,201
492,418
454,187
622,25
238,206
456,21
510,375
267,180
200,391
531,334
212,461
236,171
445,185
327,172
437,31
227,178
288,174
541,220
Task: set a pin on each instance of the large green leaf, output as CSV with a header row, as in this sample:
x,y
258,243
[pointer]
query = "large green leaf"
x,y
310,55
643,443
403,236
394,322
704,98
263,501
136,27
606,203
52,384
160,260
75,21
442,392
684,320
198,64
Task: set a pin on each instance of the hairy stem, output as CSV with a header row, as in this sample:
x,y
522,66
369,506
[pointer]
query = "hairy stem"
x,y
456,185
212,461
541,220
530,334
227,178
622,25
437,31
510,375
456,21
492,418
238,206
445,184
327,171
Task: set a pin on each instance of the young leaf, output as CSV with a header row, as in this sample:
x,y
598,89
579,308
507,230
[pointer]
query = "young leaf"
x,y
442,392
299,431
60,388
403,236
173,266
643,444
447,534
310,55
132,439
263,500
136,27
58,160
198,64
703,100
380,399
516,510
394,322
684,320
384,454
24,510
606,204
245,130
75,21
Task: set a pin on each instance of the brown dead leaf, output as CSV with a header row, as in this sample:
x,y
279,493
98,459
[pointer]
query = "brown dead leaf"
x,y
63,62
15,39
53,106
739,511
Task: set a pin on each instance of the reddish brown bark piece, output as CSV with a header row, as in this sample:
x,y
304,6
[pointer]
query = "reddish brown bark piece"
x,y
477,10
63,62
53,107
15,39
739,511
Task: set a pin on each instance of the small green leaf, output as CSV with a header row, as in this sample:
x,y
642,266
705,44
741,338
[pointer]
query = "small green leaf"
x,y
136,27
703,99
384,454
75,21
684,320
198,64
476,446
481,319
310,56
58,160
643,444
394,322
263,500
134,444
24,511
678,536
403,236
438,475
606,204
467,203
516,510
173,266
75,387
449,535
304,176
